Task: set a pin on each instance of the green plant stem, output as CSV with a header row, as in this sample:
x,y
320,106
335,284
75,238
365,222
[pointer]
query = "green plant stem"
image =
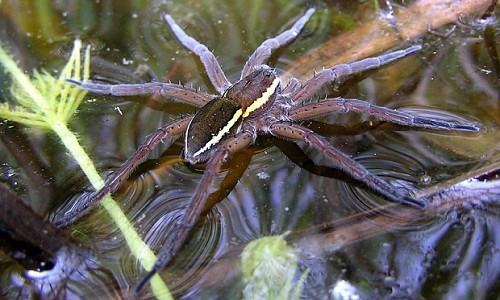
x,y
138,248
19,76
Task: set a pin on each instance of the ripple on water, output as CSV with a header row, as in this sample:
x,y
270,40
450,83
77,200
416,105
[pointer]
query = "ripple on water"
x,y
161,196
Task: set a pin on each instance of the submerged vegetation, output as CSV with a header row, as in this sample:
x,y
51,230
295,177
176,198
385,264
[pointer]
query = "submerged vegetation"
x,y
47,102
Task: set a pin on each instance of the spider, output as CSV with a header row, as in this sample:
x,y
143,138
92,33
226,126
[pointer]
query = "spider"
x,y
258,104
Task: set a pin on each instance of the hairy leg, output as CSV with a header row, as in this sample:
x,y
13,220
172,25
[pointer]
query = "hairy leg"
x,y
264,51
318,80
342,105
175,92
343,162
197,203
212,67
118,177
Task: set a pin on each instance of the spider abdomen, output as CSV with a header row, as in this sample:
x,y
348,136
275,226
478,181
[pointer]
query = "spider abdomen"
x,y
222,116
211,124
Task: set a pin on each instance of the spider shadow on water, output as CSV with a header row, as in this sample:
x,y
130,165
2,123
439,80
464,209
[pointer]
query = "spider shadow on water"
x,y
258,110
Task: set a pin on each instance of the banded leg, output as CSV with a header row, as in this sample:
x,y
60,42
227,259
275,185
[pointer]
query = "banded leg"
x,y
175,92
197,204
343,162
264,51
212,67
342,105
118,177
318,80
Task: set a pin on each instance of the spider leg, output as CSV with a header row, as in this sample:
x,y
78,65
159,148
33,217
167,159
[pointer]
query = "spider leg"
x,y
292,85
343,162
212,67
197,203
172,91
342,105
264,51
318,80
298,157
175,128
234,173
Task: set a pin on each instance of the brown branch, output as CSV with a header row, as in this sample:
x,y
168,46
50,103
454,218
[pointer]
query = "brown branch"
x,y
378,35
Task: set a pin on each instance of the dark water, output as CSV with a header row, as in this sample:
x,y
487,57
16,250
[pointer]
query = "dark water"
x,y
450,250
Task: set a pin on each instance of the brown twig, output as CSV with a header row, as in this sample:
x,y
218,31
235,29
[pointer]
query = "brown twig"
x,y
378,35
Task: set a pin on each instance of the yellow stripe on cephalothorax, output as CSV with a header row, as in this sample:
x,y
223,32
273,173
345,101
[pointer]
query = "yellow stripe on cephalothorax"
x,y
224,130
263,99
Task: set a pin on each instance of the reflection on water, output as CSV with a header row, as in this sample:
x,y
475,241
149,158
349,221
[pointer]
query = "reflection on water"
x,y
70,277
449,250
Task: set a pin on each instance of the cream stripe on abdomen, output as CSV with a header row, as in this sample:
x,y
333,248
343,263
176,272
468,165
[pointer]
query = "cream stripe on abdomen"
x,y
224,130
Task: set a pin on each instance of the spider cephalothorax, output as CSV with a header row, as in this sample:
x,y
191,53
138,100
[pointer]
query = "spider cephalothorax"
x,y
256,105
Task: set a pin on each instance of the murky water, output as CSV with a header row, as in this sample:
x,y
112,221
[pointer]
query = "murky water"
x,y
450,250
